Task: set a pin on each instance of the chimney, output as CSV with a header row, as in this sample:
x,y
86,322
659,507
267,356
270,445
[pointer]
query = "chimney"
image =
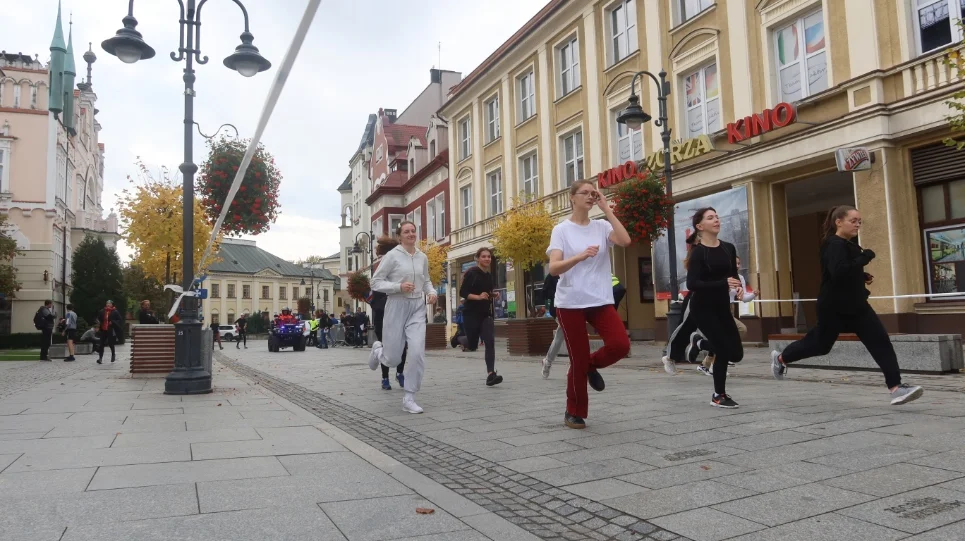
x,y
392,114
435,75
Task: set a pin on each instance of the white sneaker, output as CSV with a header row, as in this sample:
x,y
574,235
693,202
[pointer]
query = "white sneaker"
x,y
669,366
375,355
905,393
409,405
546,367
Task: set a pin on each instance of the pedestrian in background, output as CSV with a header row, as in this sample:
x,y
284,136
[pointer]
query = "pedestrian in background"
x,y
70,331
109,328
146,316
44,322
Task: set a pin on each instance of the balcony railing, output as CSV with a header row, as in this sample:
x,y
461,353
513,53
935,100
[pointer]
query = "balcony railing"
x,y
931,72
556,203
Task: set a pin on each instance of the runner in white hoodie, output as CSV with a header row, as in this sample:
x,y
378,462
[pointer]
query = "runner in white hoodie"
x,y
403,275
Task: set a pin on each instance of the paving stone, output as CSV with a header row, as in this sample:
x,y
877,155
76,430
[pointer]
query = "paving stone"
x,y
869,458
7,460
893,479
148,439
826,527
666,501
54,444
277,441
197,471
707,524
532,464
462,535
46,482
682,474
605,489
571,474
90,458
952,460
789,475
792,504
354,518
33,533
945,533
913,512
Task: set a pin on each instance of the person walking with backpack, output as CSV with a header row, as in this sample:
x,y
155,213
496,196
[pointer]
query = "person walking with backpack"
x,y
108,323
44,322
70,332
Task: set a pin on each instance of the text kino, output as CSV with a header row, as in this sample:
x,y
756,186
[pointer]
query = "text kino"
x,y
761,123
679,152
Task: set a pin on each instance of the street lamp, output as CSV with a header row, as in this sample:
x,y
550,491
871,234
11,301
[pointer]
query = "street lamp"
x,y
189,375
312,272
634,117
360,248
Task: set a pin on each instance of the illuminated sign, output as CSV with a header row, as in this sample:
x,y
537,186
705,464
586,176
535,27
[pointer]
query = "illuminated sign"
x,y
760,123
682,151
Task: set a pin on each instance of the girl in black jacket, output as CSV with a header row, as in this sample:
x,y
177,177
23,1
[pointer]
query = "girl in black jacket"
x,y
711,275
477,288
843,306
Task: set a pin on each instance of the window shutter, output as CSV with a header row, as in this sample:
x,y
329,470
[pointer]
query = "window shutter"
x,y
937,163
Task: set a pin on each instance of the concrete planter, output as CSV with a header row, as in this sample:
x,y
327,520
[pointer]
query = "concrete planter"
x,y
529,336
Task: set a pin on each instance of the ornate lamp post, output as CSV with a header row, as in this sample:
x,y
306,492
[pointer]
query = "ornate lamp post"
x,y
363,246
634,117
189,375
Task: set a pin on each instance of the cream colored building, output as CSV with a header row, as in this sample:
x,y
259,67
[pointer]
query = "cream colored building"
x,y
50,182
540,112
248,279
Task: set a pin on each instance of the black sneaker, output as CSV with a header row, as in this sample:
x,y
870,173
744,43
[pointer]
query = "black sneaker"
x,y
100,361
493,379
573,421
693,347
723,401
70,359
596,380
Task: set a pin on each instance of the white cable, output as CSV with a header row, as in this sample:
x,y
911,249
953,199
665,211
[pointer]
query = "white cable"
x,y
281,76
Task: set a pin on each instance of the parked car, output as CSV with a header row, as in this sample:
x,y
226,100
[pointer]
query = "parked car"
x,y
228,332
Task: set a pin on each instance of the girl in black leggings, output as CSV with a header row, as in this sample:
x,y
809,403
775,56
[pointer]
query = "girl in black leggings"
x,y
477,317
843,306
711,275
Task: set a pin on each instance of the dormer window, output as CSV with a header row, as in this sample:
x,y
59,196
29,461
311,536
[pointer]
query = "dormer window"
x,y
378,154
411,167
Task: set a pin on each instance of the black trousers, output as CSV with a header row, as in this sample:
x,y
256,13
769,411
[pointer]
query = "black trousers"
x,y
677,344
716,323
480,328
866,324
108,340
45,343
377,321
242,338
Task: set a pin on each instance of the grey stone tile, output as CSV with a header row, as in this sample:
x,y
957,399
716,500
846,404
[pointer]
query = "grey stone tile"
x,y
668,501
277,441
496,527
61,510
7,460
792,504
13,409
618,438
148,439
562,434
462,535
827,527
453,503
682,474
33,533
893,479
286,419
196,471
704,420
789,475
605,489
870,457
663,458
11,436
33,423
952,460
707,524
89,458
591,471
296,523
690,439
536,463
945,533
956,485
526,451
844,426
913,512
54,444
158,424
769,440
354,518
940,426
46,482
762,426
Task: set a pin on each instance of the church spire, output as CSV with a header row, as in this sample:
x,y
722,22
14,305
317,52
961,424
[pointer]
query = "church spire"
x,y
70,74
58,53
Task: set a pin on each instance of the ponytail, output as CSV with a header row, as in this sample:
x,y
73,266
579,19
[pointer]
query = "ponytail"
x,y
830,223
692,241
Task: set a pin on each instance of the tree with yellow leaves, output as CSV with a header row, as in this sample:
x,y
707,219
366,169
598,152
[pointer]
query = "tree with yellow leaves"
x,y
437,254
151,215
523,234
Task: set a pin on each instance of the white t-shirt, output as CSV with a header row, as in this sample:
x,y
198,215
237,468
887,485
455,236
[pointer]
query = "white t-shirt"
x,y
588,283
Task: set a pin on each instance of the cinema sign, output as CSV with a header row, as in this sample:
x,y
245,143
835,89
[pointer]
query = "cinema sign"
x,y
781,115
682,151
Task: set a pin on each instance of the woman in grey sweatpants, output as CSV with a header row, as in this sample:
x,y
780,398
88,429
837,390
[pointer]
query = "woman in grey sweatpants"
x,y
403,275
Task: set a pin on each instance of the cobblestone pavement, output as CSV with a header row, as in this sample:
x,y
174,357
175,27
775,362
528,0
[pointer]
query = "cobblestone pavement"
x,y
800,460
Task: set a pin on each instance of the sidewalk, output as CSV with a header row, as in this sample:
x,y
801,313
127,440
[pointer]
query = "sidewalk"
x,y
307,446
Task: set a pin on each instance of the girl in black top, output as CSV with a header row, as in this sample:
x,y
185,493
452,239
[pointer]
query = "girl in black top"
x,y
477,289
843,306
711,274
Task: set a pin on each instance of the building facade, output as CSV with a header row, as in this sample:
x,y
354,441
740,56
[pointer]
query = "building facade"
x,y
763,94
51,174
248,279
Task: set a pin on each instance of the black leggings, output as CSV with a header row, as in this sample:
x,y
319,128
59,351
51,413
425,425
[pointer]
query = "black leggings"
x,y
242,339
476,328
677,344
377,322
819,340
716,323
107,339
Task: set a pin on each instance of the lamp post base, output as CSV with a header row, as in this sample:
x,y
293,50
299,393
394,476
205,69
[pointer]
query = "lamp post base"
x,y
189,375
674,317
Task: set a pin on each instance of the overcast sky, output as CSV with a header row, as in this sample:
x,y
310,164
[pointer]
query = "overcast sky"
x,y
359,56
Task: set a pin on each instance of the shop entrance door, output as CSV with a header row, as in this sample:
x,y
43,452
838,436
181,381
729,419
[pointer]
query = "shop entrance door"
x,y
808,203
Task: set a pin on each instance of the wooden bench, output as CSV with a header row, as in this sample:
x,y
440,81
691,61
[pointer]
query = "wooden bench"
x,y
916,352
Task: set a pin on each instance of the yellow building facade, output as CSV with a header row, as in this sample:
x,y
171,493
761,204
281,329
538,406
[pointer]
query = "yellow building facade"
x,y
778,87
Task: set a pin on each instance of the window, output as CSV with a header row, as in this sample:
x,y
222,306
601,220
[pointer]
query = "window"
x,y
378,154
348,262
33,98
339,299
573,157
215,291
325,295
942,211
411,167
231,291
417,218
569,58
802,62
283,293
215,318
308,292
527,96
629,143
689,8
935,21
440,216
16,95
529,171
465,197
702,95
265,292
231,318
294,293
623,30
394,221
245,292
492,119
465,138
3,168
494,186
377,226
432,149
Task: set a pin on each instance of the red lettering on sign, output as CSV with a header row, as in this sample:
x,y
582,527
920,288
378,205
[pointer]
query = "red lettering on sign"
x,y
790,115
782,115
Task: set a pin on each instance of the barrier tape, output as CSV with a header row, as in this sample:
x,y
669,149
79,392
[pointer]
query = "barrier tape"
x,y
281,77
880,297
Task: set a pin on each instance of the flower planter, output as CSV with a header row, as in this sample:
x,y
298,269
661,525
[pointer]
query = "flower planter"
x,y
530,336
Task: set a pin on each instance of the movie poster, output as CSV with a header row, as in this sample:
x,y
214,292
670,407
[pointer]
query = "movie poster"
x,y
731,206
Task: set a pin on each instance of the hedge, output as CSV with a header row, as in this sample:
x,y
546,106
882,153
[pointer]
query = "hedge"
x,y
26,340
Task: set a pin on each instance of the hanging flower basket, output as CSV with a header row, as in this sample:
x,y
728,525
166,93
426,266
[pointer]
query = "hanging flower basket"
x,y
358,285
255,206
643,207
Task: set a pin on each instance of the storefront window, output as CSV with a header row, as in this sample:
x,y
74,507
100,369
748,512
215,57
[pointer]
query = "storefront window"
x,y
943,221
933,203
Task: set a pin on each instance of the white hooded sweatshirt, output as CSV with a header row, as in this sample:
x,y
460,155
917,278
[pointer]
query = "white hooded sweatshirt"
x,y
400,266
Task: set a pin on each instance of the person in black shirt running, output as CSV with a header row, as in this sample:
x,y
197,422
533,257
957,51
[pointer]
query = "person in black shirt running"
x,y
843,306
477,289
242,324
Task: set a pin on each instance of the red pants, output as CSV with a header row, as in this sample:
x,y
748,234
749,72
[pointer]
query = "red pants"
x,y
616,345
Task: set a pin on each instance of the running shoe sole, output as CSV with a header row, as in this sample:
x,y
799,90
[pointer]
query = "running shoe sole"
x,y
669,366
778,369
912,396
722,406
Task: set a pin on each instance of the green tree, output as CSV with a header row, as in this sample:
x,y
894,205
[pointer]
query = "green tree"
x,y
138,286
955,60
97,278
8,250
256,323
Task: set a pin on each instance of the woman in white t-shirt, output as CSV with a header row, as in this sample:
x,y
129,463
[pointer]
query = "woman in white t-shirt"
x,y
578,255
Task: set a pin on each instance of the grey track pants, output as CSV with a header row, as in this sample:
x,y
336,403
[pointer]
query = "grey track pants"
x,y
405,323
558,341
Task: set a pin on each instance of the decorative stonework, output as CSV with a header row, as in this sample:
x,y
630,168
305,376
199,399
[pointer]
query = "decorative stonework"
x,y
696,55
779,9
